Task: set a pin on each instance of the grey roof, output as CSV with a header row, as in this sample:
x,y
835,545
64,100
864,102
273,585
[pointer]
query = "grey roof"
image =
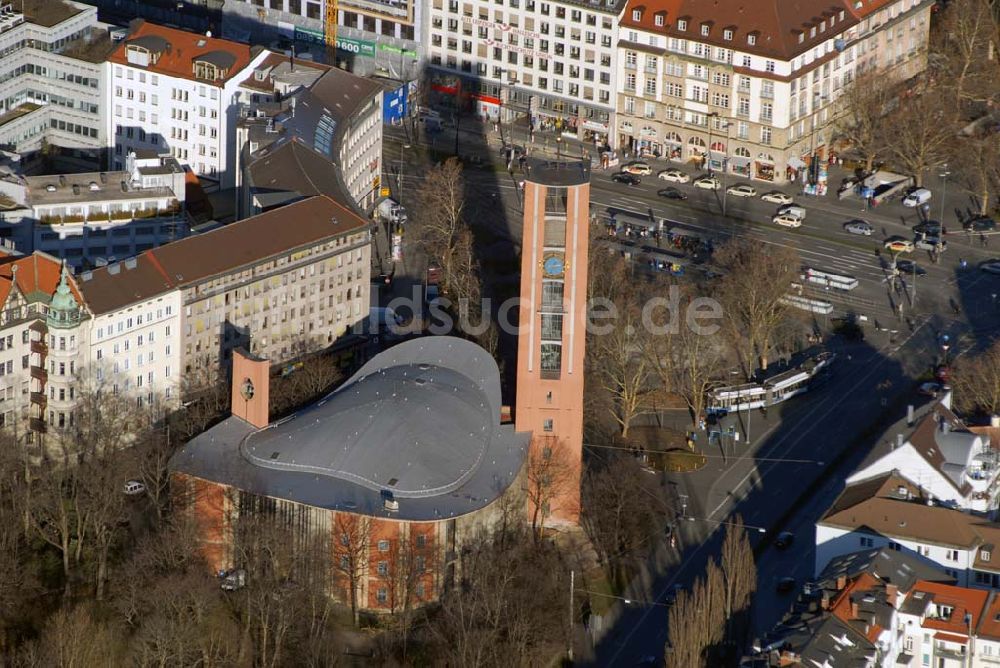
x,y
895,567
420,421
289,170
221,59
553,173
152,43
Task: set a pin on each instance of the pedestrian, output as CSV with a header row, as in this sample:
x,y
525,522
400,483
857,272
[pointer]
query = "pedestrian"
x,y
983,240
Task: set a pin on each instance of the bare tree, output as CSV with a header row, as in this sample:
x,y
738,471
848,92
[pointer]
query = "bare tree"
x,y
550,473
351,537
696,623
440,224
57,513
977,159
739,582
102,479
923,127
976,381
967,44
622,514
862,120
74,637
757,278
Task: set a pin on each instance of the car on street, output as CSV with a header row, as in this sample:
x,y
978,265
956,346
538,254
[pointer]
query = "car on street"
x,y
917,197
792,210
673,175
991,266
742,190
640,168
932,244
898,244
787,220
981,224
931,228
707,183
671,193
859,227
785,585
626,178
784,540
777,197
910,267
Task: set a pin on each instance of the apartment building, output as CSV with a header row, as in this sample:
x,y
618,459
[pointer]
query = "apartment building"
x,y
953,465
178,92
324,139
94,218
754,94
550,61
382,37
52,84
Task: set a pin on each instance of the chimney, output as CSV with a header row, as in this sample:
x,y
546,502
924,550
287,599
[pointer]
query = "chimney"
x,y
909,415
841,582
824,602
899,441
251,390
854,610
891,594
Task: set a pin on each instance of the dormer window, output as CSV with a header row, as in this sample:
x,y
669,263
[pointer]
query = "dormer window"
x,y
840,17
727,34
802,37
213,66
812,31
636,14
984,555
751,39
658,19
822,26
705,29
207,71
682,24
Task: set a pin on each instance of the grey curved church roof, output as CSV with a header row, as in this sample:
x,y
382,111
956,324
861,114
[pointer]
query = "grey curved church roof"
x,y
420,421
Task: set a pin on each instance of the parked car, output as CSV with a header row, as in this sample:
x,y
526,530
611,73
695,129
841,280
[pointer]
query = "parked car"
x,y
917,197
932,244
626,178
777,197
981,224
707,183
787,220
784,540
785,585
898,245
859,227
640,168
674,175
796,210
910,267
134,488
742,190
931,228
991,266
671,193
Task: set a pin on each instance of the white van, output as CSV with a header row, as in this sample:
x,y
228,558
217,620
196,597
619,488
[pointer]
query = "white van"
x,y
917,197
795,210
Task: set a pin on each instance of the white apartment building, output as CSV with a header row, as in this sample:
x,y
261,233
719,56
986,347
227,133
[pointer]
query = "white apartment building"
x,y
551,60
52,83
177,92
754,94
94,218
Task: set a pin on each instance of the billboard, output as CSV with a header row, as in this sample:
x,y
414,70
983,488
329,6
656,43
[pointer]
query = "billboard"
x,y
394,104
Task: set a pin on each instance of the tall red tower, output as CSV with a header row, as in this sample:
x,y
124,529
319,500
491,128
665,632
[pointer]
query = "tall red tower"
x,y
553,318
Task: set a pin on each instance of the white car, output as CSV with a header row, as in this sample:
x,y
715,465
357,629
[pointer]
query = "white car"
x,y
638,168
707,183
777,197
786,220
674,175
133,488
898,245
742,190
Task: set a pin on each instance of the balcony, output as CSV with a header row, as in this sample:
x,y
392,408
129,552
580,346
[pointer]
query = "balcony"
x,y
39,398
40,374
37,424
39,347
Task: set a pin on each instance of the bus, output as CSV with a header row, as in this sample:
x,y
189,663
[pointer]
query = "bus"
x,y
828,279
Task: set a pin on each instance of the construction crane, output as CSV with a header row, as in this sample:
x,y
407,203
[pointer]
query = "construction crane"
x,y
330,26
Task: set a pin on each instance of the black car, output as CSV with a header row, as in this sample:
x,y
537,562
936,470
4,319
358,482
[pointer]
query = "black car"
x,y
909,267
671,193
931,228
626,178
981,224
784,540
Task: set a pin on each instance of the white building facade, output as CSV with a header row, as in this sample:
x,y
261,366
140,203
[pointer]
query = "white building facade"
x,y
551,61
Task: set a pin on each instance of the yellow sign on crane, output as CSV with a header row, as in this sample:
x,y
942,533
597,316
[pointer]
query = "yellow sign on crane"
x,y
330,27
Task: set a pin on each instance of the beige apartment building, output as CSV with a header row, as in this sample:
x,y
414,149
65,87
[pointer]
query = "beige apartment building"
x,y
754,94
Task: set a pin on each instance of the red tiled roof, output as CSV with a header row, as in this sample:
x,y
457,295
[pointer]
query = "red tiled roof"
x,y
776,24
962,600
989,626
183,49
37,272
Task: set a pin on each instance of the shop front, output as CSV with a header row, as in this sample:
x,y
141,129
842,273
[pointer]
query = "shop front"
x,y
595,133
763,167
674,147
696,151
739,163
626,136
648,146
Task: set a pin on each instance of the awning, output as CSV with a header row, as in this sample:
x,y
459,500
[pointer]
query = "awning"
x,y
739,161
796,163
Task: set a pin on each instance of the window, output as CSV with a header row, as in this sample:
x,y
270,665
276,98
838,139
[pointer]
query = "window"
x,y
383,568
984,555
421,541
547,425
682,24
765,135
751,39
636,15
658,20
769,66
867,541
727,35
382,595
551,357
951,555
383,546
705,29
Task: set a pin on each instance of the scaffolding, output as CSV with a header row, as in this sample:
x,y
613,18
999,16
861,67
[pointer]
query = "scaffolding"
x,y
330,25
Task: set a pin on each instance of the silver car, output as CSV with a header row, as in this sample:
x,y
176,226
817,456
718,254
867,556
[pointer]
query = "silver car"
x,y
859,227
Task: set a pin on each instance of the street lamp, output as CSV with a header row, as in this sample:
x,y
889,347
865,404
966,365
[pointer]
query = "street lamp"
x,y
559,148
944,188
731,524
